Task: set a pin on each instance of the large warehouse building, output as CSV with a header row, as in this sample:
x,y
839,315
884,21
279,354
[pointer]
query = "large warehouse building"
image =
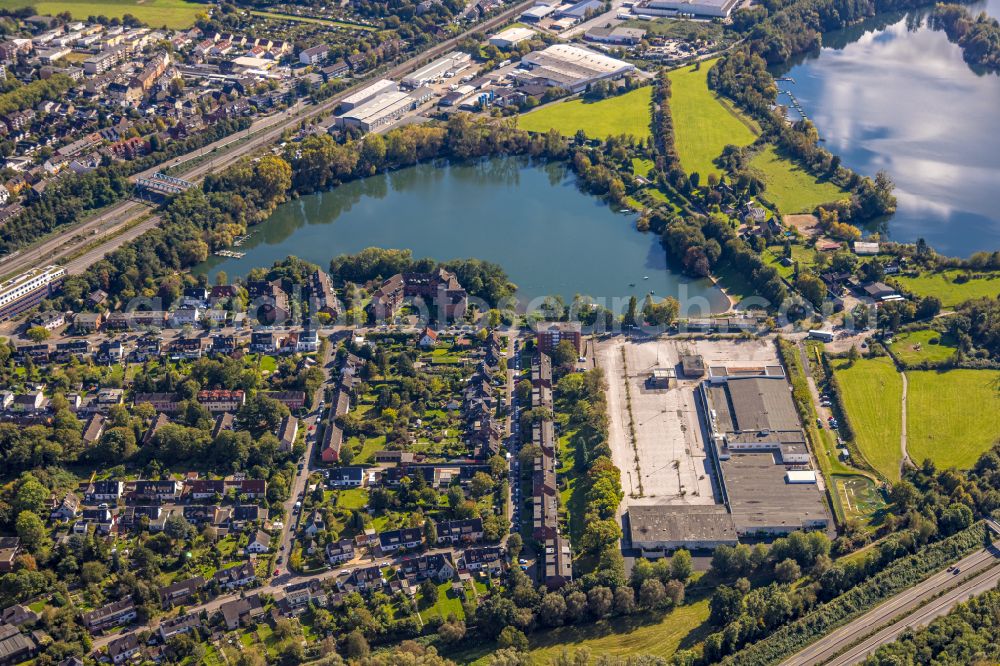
x,y
572,67
446,65
367,93
712,8
762,460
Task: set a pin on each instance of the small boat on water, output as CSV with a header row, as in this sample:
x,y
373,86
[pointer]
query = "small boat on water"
x,y
631,284
645,277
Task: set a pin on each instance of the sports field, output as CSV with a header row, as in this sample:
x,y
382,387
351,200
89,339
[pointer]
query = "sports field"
x,y
858,497
174,14
951,293
790,187
919,346
872,393
624,114
952,417
703,123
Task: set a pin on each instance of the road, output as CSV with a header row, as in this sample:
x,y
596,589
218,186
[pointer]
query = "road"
x,y
905,462
941,606
825,649
264,131
302,476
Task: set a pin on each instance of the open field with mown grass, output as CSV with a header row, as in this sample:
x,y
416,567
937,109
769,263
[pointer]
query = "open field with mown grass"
x,y
624,114
953,417
872,393
643,633
790,187
919,346
174,14
703,122
951,293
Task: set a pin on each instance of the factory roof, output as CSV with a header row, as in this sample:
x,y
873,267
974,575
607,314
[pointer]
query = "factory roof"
x,y
680,523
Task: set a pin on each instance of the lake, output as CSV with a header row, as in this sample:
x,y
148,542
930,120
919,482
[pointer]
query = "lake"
x,y
551,238
893,94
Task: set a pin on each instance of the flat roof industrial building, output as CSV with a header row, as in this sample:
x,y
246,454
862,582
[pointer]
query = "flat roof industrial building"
x,y
367,93
713,8
511,37
572,67
380,111
760,449
449,64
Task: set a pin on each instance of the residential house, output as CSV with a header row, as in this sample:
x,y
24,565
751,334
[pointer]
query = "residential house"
x,y
241,611
429,338
436,566
222,400
362,580
178,625
314,524
347,477
340,551
287,432
298,597
123,649
104,491
110,615
259,543
9,548
18,615
180,591
294,400
161,402
153,491
489,558
94,428
16,647
88,322
407,538
235,577
460,531
67,509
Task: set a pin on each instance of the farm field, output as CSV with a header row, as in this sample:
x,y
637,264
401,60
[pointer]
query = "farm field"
x,y
943,286
703,123
625,114
790,187
174,14
952,417
872,393
919,346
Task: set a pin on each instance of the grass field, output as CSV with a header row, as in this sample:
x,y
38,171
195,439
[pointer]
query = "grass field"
x,y
620,637
624,114
703,123
872,392
952,417
951,293
174,14
917,347
790,187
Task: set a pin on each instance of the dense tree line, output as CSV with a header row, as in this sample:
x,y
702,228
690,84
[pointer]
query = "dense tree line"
x,y
700,243
29,95
979,36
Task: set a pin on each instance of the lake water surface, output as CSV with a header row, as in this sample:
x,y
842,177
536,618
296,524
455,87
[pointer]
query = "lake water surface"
x,y
551,238
893,94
